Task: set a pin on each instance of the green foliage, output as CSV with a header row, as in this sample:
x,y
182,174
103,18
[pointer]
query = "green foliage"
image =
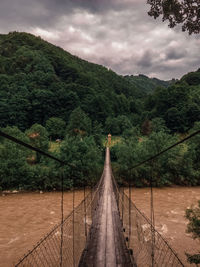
x,y
39,81
42,84
14,169
117,125
192,78
97,133
79,123
193,215
56,127
158,124
177,166
193,227
146,84
85,156
129,133
178,105
38,137
193,152
177,12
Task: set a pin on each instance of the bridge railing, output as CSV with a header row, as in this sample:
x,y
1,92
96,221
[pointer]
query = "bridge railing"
x,y
146,245
56,249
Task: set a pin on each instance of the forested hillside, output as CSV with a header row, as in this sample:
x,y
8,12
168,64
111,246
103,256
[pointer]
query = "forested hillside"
x,y
39,80
146,84
48,94
178,105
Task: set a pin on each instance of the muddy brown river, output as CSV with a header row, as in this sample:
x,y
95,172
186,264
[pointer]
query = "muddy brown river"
x,y
25,218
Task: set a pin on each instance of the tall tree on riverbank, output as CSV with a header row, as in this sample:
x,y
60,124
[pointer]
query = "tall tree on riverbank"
x,y
14,169
193,227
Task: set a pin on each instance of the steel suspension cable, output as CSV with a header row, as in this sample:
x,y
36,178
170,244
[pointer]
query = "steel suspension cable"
x,y
152,215
165,150
30,147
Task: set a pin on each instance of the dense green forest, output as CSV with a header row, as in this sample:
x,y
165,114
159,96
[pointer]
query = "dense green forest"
x,y
146,84
47,94
39,81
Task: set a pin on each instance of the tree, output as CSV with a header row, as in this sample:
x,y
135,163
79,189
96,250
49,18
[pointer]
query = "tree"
x,y
84,155
56,127
184,12
164,169
175,120
111,126
97,133
14,170
117,125
79,123
38,137
158,124
193,227
146,127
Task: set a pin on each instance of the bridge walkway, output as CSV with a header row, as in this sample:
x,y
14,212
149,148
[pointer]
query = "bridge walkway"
x,y
106,244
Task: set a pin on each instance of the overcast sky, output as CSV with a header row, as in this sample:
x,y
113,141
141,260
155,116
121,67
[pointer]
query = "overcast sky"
x,y
115,33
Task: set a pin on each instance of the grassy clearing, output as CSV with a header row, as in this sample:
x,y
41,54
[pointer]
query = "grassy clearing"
x,y
54,146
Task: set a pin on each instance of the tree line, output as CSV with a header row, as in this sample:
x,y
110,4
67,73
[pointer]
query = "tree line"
x,y
78,145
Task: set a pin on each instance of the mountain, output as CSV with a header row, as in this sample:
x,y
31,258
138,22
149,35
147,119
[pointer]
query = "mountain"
x,y
178,105
39,80
146,84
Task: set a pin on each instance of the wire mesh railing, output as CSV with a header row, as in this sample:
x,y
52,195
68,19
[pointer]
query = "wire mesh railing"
x,y
65,249
65,244
146,245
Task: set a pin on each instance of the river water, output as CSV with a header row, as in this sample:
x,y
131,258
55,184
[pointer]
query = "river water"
x,y
27,217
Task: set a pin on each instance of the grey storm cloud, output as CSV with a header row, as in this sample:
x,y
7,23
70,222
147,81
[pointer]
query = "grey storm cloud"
x,y
116,33
175,54
146,59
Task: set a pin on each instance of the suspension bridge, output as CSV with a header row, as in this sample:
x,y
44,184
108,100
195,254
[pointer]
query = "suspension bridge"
x,y
105,229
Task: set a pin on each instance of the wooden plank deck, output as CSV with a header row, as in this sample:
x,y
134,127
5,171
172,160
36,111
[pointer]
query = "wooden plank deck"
x,y
106,245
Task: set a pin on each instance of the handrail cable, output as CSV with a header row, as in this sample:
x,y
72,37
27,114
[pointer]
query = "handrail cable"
x,y
165,150
17,141
151,192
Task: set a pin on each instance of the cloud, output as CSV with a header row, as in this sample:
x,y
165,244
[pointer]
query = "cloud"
x,y
146,59
118,34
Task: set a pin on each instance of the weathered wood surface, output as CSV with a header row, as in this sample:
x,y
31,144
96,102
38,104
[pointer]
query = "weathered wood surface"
x,y
106,245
